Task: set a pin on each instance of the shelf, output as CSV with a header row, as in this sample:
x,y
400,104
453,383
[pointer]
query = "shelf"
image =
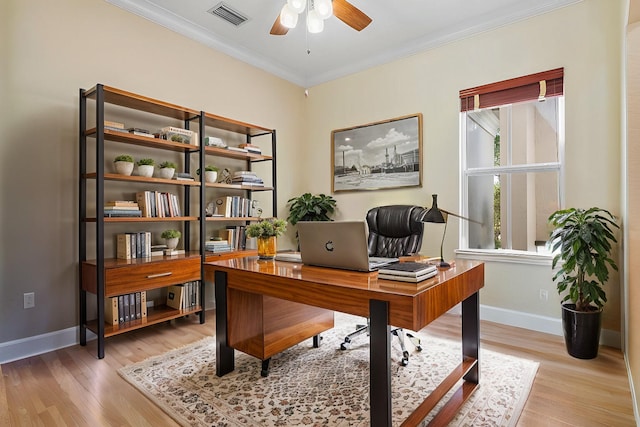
x,y
136,178
211,256
154,315
142,103
239,155
144,219
236,126
143,141
232,218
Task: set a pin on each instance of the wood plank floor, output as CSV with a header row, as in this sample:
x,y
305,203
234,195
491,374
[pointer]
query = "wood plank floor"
x,y
71,387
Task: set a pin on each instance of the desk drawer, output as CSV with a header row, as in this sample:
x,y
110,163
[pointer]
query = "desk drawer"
x,y
134,278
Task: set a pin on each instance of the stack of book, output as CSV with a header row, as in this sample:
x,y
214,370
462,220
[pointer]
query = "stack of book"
x,y
407,271
185,296
175,134
141,132
217,246
232,206
121,208
133,245
247,178
114,126
251,148
183,176
156,204
125,308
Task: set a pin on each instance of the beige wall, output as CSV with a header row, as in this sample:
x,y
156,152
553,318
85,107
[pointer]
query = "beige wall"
x,y
429,83
49,51
633,199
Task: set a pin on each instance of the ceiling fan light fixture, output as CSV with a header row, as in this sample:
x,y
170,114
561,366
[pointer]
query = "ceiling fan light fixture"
x,y
288,18
297,5
315,24
323,8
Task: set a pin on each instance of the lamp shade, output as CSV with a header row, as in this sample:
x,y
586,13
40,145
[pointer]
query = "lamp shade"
x,y
288,18
324,8
297,5
315,24
434,214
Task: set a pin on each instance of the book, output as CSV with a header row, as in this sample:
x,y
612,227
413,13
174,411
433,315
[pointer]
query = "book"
x,y
241,150
121,208
123,246
409,269
175,134
122,213
288,256
114,125
122,203
413,279
171,252
111,311
174,296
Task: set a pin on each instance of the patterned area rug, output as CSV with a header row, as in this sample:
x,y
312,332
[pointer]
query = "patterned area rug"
x,y
324,386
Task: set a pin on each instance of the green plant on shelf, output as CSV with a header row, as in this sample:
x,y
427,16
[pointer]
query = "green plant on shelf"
x,y
170,165
171,234
267,228
148,162
123,158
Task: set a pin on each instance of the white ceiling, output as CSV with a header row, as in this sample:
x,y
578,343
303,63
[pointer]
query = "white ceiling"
x,y
400,28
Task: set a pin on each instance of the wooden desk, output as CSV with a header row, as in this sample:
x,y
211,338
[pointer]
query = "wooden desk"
x,y
407,305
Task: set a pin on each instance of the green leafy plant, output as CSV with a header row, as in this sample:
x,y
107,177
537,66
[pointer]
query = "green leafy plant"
x,y
267,228
148,162
209,168
582,241
309,207
171,234
170,165
123,158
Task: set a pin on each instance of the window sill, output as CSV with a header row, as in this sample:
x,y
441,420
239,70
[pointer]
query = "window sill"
x,y
503,255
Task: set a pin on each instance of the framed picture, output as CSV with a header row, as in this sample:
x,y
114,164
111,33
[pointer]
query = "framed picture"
x,y
376,156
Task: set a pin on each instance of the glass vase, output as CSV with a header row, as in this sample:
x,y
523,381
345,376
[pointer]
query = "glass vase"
x,y
267,247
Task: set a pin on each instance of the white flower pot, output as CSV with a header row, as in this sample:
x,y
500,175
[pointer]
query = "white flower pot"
x,y
124,168
172,243
210,176
145,170
166,173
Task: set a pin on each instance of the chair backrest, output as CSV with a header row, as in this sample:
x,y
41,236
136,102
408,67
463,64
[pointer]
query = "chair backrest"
x,y
395,230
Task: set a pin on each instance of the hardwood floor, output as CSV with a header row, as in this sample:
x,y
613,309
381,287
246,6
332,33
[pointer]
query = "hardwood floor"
x,y
71,387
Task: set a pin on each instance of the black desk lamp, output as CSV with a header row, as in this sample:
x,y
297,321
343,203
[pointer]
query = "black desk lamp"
x,y
439,216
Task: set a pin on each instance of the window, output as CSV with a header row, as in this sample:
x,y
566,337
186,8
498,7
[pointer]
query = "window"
x,y
512,135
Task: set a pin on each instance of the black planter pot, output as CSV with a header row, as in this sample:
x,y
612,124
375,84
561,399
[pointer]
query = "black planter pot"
x,y
581,331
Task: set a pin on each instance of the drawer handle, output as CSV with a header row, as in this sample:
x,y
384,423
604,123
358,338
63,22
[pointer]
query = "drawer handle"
x,y
153,276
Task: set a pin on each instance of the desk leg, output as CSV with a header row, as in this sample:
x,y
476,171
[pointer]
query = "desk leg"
x,y
471,334
225,362
380,364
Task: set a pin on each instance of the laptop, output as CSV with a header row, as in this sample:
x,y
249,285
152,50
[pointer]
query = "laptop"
x,y
337,244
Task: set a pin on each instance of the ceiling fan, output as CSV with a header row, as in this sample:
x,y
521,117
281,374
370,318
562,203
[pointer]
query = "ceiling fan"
x,y
342,9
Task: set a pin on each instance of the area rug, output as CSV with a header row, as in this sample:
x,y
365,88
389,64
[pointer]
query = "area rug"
x,y
324,386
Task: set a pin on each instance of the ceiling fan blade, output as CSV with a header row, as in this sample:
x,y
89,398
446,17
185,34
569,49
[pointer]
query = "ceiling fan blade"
x,y
350,15
278,29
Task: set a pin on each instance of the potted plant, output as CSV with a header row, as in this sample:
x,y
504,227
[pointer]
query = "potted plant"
x,y
210,173
171,238
145,167
266,232
309,207
123,164
582,241
167,169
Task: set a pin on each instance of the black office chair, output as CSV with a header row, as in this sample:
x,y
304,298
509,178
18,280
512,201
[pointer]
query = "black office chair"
x,y
394,231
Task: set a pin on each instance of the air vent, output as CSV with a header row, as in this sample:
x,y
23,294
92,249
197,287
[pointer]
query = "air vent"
x,y
225,12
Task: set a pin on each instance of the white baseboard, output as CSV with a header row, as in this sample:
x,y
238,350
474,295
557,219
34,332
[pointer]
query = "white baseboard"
x,y
32,346
535,322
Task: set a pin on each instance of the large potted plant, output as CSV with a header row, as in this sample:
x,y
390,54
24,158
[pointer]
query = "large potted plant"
x,y
310,207
266,232
582,241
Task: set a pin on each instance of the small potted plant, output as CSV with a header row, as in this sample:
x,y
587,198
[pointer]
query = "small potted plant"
x,y
123,164
171,238
210,173
310,207
581,240
266,232
145,167
167,169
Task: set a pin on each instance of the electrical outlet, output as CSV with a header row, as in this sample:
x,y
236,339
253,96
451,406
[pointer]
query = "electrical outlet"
x,y
29,299
544,295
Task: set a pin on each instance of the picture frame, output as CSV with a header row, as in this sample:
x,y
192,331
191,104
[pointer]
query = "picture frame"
x,y
378,156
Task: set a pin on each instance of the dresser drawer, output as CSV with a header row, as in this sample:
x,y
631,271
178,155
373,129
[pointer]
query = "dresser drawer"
x,y
142,277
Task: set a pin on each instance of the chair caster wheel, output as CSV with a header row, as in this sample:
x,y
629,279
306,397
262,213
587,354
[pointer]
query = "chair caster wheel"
x,y
404,362
419,348
344,346
264,373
